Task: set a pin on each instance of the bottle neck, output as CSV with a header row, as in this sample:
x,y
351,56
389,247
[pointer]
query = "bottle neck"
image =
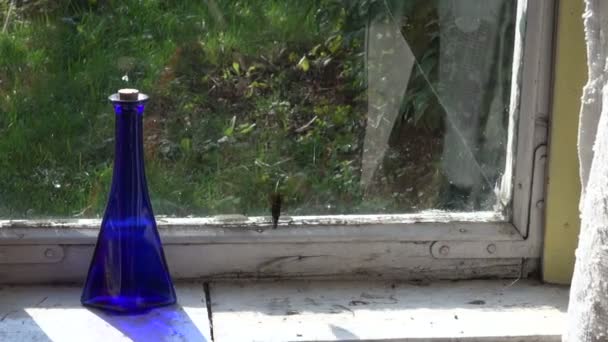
x,y
129,192
129,150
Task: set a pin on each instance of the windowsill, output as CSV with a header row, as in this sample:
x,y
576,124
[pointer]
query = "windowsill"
x,y
300,311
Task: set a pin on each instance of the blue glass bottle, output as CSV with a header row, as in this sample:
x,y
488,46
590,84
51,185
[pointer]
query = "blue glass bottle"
x,y
128,272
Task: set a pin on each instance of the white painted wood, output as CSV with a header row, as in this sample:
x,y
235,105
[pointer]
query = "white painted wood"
x,y
533,111
372,260
371,228
300,311
54,314
262,221
218,252
475,250
317,260
30,254
457,231
506,184
341,311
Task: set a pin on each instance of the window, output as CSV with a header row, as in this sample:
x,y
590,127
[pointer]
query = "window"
x,y
405,138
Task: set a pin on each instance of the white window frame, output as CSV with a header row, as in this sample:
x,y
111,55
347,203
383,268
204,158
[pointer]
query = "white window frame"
x,y
428,245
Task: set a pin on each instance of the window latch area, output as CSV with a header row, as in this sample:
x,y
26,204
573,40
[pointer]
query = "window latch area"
x,y
528,247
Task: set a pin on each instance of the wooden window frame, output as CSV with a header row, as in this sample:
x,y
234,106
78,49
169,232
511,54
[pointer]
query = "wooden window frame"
x,y
429,245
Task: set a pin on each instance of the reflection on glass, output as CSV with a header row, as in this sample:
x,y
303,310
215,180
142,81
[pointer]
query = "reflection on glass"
x,y
367,106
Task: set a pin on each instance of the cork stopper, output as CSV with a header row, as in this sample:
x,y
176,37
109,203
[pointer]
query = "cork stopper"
x,y
128,94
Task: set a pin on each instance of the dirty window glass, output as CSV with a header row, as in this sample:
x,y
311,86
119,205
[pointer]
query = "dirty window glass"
x,y
341,107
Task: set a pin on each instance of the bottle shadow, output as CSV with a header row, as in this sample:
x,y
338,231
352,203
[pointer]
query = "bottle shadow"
x,y
171,323
54,313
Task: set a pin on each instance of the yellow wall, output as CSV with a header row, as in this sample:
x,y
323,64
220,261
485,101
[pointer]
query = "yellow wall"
x,y
570,75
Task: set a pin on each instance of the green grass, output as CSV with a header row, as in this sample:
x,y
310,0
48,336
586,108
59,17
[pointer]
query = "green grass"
x,y
231,82
59,66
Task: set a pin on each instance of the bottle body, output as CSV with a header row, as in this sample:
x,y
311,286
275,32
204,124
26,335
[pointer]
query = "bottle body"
x,y
128,272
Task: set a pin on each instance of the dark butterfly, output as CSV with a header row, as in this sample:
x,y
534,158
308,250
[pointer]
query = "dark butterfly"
x,y
276,200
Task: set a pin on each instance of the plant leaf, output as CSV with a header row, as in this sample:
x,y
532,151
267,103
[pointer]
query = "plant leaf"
x,y
186,144
247,129
304,64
